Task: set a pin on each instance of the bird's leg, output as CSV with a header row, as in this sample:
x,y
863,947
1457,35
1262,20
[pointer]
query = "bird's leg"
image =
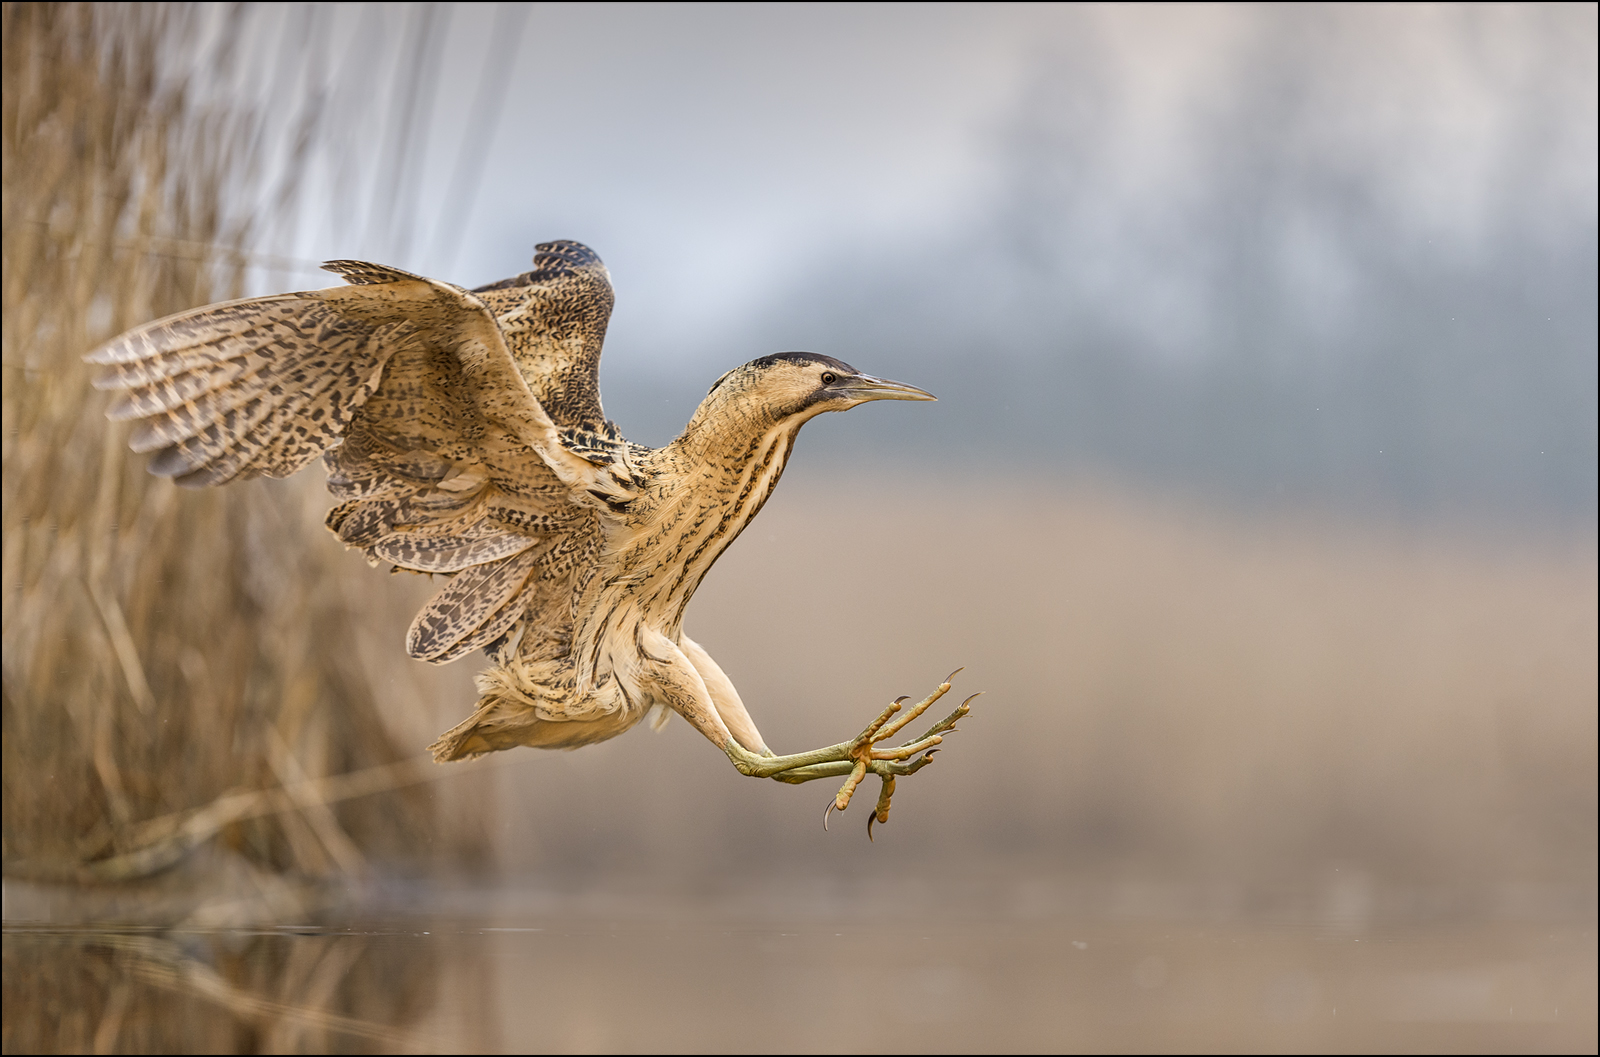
x,y
724,698
673,676
854,759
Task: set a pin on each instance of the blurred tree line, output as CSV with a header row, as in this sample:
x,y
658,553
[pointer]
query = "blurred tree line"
x,y
1339,273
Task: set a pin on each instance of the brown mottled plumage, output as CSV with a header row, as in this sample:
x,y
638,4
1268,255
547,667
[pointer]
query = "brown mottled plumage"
x,y
462,433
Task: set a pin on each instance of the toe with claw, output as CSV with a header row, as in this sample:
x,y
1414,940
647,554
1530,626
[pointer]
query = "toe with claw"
x,y
865,750
866,754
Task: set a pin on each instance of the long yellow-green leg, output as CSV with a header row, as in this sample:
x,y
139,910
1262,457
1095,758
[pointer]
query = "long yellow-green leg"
x,y
759,766
853,760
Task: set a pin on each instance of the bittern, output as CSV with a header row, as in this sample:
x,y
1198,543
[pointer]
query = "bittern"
x,y
462,433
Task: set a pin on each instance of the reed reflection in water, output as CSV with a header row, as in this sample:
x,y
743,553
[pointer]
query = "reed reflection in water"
x,y
696,983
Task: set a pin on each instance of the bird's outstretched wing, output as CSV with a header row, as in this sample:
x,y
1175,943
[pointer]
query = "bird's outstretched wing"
x,y
444,458
554,320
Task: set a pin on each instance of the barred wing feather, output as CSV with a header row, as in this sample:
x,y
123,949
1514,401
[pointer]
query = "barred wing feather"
x,y
445,460
554,319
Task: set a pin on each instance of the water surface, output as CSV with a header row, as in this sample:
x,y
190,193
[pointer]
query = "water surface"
x,y
559,983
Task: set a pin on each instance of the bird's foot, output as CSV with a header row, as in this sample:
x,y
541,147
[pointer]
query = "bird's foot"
x,y
865,751
863,754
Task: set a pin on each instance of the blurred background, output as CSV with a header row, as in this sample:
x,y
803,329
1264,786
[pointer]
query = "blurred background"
x,y
1260,498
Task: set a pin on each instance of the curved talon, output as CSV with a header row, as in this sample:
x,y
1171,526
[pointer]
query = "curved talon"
x,y
953,674
826,813
870,820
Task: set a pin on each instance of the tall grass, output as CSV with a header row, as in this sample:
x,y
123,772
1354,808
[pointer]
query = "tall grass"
x,y
162,647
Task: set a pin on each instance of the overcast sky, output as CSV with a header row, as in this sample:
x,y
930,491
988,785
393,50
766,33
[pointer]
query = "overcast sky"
x,y
1355,244
712,153
706,151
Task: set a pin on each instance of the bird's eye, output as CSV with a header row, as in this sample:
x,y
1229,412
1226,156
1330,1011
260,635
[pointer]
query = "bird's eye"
x,y
828,377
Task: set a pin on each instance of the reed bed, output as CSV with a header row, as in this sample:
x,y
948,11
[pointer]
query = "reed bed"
x,y
164,649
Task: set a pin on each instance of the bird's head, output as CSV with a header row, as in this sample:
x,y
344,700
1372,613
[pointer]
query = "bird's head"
x,y
789,385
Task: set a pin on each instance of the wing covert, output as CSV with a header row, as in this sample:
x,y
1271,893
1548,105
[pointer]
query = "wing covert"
x,y
554,319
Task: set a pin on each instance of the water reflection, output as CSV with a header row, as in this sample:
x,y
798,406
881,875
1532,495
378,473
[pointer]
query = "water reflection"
x,y
285,991
559,983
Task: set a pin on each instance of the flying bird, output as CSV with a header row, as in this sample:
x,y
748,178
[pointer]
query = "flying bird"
x,y
462,434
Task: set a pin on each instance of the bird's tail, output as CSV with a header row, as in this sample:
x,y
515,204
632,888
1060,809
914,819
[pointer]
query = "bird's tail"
x,y
519,708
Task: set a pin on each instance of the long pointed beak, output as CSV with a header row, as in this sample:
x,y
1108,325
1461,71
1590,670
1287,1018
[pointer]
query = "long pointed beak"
x,y
866,387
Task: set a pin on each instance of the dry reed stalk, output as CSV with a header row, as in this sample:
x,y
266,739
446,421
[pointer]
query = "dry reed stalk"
x,y
162,648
